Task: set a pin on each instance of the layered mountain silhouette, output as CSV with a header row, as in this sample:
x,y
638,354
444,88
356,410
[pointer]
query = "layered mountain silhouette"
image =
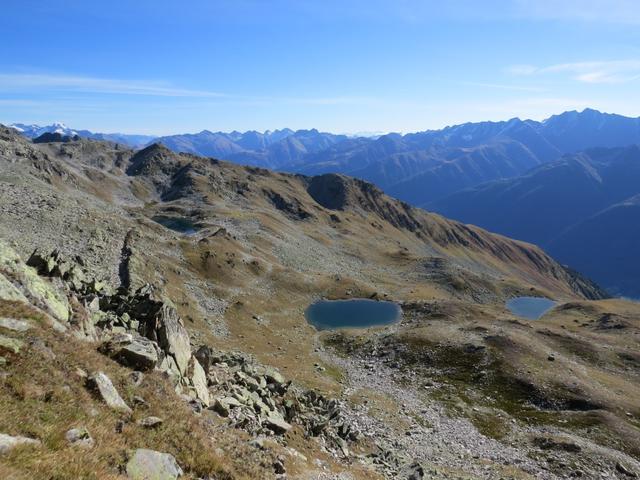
x,y
583,208
271,149
425,166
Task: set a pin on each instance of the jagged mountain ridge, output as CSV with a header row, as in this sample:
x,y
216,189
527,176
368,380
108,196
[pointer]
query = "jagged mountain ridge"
x,y
462,156
424,166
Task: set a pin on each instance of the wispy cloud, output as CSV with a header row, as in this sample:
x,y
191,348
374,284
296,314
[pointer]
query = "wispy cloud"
x,y
499,86
615,71
30,84
22,82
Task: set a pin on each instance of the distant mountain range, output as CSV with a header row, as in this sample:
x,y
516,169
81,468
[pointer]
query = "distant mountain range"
x,y
35,131
584,209
425,166
271,149
417,167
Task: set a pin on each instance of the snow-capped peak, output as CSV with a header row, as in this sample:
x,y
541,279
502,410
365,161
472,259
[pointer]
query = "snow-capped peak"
x,y
34,131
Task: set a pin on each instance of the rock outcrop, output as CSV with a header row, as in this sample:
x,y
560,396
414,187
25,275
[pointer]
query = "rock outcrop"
x,y
20,282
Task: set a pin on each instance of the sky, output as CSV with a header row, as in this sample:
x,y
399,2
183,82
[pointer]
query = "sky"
x,y
347,66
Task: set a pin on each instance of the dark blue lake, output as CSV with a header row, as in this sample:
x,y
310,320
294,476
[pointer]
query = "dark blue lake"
x,y
530,307
355,313
177,224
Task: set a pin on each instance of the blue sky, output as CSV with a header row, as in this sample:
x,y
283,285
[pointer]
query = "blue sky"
x,y
159,67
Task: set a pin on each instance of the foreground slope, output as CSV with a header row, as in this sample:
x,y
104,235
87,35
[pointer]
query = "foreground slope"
x,y
461,388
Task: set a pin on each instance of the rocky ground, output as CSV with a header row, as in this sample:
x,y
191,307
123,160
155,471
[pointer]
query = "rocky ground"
x,y
130,349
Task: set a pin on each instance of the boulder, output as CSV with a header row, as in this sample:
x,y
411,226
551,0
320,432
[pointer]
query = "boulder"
x,y
205,355
132,351
103,386
556,443
173,337
276,424
169,366
8,443
224,405
151,465
273,376
10,344
150,422
198,379
40,292
8,291
79,437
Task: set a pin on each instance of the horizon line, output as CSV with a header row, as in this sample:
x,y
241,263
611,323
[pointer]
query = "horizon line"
x,y
349,134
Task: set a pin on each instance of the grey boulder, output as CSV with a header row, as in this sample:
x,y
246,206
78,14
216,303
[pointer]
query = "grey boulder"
x,y
132,351
100,383
8,443
79,437
151,465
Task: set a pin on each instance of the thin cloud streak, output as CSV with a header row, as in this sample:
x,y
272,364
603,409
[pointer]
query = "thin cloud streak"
x,y
614,71
498,86
23,82
69,84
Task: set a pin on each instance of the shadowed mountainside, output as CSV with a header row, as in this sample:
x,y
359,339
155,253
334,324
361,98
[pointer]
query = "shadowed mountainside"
x,y
552,203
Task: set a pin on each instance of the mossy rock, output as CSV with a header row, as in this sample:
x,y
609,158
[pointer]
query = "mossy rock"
x,y
38,290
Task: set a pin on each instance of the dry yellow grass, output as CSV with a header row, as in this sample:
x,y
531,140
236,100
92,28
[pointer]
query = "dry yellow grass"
x,y
43,397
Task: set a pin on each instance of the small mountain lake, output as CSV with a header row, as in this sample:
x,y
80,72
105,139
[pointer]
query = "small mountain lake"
x,y
353,313
532,308
177,224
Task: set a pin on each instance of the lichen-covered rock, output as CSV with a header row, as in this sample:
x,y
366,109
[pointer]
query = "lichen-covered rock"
x,y
10,344
151,465
14,324
100,383
39,291
10,292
